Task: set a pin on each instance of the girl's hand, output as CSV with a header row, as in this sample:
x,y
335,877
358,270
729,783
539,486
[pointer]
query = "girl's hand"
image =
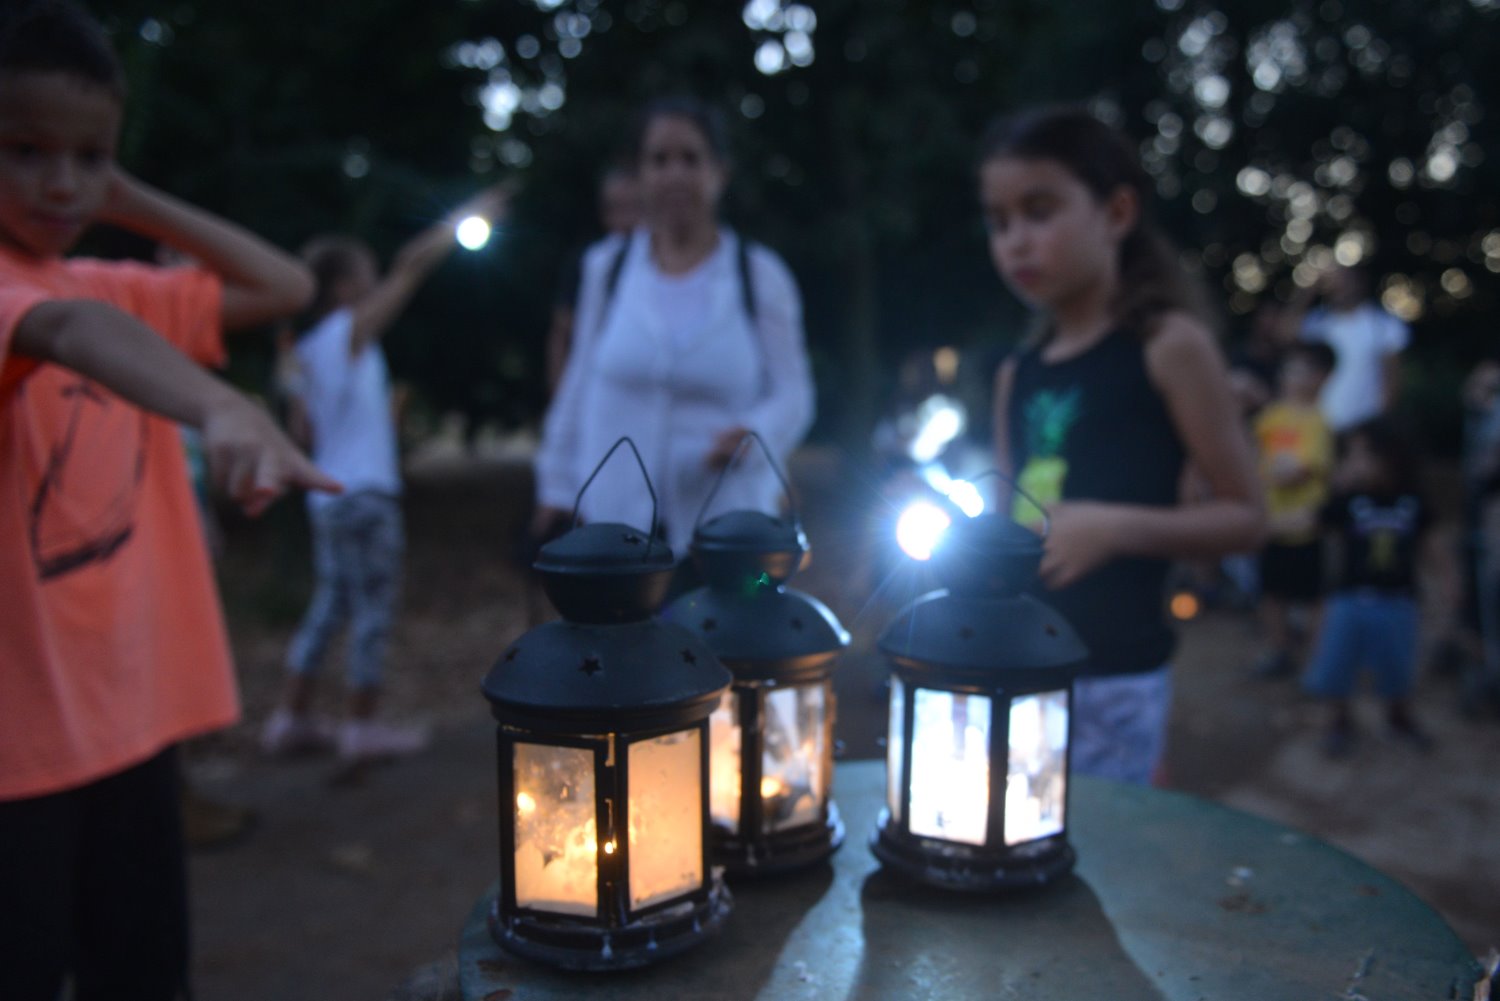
x,y
1084,536
492,204
724,447
547,523
249,458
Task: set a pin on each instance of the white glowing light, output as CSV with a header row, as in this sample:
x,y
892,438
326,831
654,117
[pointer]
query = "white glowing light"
x,y
771,57
967,496
940,427
473,232
920,528
940,420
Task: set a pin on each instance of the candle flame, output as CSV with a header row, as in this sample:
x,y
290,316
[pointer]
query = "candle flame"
x,y
525,804
609,847
771,786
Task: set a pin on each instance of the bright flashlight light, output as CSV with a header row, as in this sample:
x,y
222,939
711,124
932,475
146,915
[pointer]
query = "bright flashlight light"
x,y
942,420
967,496
473,232
919,529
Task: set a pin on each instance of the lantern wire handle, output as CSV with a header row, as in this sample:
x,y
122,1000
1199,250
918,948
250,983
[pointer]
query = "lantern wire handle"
x,y
734,459
625,440
1046,518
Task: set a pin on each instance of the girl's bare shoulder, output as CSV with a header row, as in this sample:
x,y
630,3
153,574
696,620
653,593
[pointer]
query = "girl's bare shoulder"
x,y
1178,343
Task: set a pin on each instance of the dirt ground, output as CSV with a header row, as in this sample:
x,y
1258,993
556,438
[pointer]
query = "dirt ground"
x,y
349,883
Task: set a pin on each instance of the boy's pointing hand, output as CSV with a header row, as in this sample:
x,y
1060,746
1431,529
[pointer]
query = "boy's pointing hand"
x,y
251,460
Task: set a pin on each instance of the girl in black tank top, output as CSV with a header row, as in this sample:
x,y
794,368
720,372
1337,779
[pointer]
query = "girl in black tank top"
x,y
1094,427
1097,419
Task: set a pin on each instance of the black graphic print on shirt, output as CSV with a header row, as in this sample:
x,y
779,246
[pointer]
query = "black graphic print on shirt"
x,y
84,506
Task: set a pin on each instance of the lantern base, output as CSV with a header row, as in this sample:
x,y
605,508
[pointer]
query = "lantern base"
x,y
781,852
567,944
976,870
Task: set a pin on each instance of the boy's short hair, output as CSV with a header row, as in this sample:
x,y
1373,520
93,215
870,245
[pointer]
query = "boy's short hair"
x,y
58,36
1319,355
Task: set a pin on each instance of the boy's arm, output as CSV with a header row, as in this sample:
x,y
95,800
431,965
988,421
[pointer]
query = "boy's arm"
x,y
416,259
251,460
261,281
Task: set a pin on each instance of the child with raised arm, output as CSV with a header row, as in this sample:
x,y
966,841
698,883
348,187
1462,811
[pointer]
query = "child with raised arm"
x,y
1098,418
357,537
112,646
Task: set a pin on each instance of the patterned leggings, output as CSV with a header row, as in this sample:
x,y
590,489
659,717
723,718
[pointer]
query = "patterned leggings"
x,y
357,549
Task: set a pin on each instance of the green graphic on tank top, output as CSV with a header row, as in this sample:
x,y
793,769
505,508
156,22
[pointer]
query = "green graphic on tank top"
x,y
1048,418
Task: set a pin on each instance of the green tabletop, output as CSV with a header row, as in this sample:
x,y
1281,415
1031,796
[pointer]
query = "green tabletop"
x,y
1174,898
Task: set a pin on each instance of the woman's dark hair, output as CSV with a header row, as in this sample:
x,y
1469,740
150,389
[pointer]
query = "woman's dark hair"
x,y
707,119
1152,278
1394,446
331,258
57,36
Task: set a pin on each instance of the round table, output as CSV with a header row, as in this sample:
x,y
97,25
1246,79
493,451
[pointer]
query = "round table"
x,y
1174,897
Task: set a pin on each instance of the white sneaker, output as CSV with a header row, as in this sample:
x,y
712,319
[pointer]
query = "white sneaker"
x,y
371,740
286,732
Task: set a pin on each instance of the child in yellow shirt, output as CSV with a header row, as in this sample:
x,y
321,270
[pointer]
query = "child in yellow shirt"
x,y
1295,447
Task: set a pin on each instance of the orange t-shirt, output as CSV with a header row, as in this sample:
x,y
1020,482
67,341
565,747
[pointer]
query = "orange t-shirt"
x,y
112,643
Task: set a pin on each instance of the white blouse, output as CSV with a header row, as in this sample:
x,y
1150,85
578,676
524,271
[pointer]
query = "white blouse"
x,y
672,361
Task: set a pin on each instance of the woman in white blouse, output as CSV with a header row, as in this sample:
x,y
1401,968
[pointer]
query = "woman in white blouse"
x,y
685,341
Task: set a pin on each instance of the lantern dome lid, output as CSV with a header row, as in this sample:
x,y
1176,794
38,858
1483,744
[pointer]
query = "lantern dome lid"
x,y
746,544
571,678
605,572
988,554
1016,641
604,547
761,631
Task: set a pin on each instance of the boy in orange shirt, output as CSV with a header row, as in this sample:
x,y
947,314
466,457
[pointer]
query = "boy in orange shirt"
x,y
112,647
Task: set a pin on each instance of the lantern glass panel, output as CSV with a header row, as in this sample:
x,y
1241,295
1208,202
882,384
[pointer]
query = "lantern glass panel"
x,y
950,766
895,749
725,740
1036,783
557,860
792,774
666,817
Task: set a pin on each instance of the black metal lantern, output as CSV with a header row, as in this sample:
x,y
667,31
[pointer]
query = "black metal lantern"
x,y
772,735
979,719
603,763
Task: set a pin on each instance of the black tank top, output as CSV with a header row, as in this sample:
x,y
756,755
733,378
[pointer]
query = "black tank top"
x,y
1093,427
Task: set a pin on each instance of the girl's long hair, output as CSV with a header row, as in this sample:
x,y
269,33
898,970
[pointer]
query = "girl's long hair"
x,y
331,257
1153,280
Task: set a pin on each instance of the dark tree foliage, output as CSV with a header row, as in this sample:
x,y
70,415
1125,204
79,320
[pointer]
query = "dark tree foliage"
x,y
1281,136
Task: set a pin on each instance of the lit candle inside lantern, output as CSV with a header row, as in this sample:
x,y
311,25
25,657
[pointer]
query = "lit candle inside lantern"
x,y
557,866
665,822
724,739
1036,779
793,760
950,766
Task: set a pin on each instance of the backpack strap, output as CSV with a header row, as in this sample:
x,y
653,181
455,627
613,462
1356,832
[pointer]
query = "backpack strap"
x,y
747,287
612,276
742,263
